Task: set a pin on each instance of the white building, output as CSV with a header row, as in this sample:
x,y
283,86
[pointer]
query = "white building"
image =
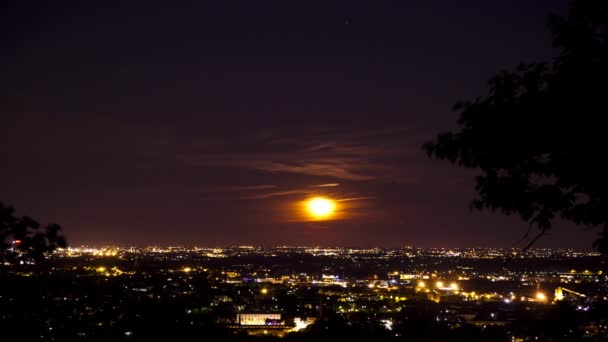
x,y
257,318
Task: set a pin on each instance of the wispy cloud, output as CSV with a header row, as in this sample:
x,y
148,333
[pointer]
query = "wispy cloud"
x,y
355,199
334,168
238,188
327,185
348,155
275,194
307,191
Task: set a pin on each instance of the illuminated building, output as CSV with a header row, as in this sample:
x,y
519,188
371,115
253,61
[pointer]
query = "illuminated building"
x,y
259,319
302,323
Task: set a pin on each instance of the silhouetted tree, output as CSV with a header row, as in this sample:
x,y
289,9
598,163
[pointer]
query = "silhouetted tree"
x,y
23,236
539,136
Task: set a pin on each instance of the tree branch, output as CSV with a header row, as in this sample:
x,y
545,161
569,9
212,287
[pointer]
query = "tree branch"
x,y
526,235
531,243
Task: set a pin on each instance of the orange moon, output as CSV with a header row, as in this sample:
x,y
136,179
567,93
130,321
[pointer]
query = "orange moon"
x,y
321,208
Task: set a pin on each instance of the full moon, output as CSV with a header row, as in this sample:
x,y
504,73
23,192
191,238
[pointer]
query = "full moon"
x,y
321,207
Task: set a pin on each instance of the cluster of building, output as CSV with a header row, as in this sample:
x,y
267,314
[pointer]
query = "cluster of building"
x,y
289,289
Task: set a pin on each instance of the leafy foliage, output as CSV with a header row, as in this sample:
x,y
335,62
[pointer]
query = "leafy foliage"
x,y
538,137
24,236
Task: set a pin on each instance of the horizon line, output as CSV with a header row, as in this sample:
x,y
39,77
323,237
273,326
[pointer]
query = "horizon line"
x,y
100,246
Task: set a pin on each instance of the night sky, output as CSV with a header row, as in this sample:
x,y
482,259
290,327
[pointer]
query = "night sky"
x,y
204,124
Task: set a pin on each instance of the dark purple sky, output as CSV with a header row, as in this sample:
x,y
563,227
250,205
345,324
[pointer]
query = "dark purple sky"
x,y
203,124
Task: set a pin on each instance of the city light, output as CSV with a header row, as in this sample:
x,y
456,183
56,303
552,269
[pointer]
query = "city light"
x,y
541,296
381,293
300,324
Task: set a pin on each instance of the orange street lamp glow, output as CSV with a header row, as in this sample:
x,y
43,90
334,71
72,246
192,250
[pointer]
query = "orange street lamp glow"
x,y
320,207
